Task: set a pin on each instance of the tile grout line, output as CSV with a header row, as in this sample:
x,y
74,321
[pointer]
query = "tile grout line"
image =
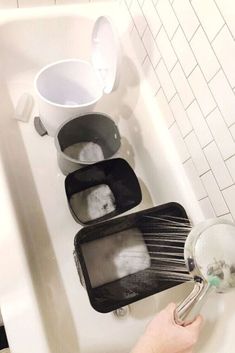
x,y
194,99
209,81
221,158
178,61
169,103
140,35
195,32
210,204
210,41
219,190
141,7
201,23
221,14
216,104
170,40
147,56
226,159
208,194
200,177
211,132
216,35
214,140
154,67
175,30
193,131
227,187
187,160
211,45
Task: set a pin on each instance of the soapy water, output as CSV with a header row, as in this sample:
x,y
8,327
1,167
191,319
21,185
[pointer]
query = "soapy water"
x,y
85,152
93,203
108,259
157,247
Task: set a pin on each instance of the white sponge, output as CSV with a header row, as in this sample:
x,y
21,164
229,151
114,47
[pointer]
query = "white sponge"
x,y
24,107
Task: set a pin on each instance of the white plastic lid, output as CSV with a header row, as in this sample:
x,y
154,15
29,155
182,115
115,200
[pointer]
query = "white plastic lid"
x,y
106,53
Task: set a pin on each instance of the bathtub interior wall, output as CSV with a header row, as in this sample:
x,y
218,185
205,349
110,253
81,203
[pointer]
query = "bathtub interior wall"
x,y
60,44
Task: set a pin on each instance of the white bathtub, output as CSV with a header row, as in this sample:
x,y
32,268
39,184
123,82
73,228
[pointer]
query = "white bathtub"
x,y
44,307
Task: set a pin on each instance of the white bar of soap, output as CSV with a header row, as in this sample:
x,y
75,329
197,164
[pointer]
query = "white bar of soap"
x,y
24,107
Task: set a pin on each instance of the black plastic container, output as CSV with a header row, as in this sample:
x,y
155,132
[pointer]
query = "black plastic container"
x,y
131,288
94,130
111,186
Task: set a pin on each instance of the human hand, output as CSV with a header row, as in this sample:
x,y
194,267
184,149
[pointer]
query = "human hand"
x,y
163,335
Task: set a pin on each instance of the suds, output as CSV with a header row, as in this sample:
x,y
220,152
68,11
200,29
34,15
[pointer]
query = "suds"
x,y
93,203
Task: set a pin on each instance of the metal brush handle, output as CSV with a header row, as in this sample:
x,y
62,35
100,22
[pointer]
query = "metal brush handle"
x,y
188,309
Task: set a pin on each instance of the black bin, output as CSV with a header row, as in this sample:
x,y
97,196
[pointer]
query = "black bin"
x,y
165,222
85,140
102,190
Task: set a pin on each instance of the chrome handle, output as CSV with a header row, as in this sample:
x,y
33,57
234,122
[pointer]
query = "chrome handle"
x,y
188,309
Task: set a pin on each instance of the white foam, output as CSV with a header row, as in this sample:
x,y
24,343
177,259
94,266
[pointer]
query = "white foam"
x,y
93,202
115,256
85,152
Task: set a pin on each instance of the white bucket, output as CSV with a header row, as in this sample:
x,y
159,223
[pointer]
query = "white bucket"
x,y
72,87
66,88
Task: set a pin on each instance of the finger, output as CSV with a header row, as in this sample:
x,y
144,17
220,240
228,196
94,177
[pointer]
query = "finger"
x,y
194,328
197,323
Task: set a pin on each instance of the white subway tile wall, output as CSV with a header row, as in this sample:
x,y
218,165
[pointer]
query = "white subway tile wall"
x,y
138,18
180,115
196,153
214,194
187,18
184,52
165,80
209,16
224,47
151,47
204,54
182,85
187,51
207,208
192,49
199,124
166,49
201,91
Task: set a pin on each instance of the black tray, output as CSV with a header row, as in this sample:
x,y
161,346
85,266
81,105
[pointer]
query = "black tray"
x,y
131,288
